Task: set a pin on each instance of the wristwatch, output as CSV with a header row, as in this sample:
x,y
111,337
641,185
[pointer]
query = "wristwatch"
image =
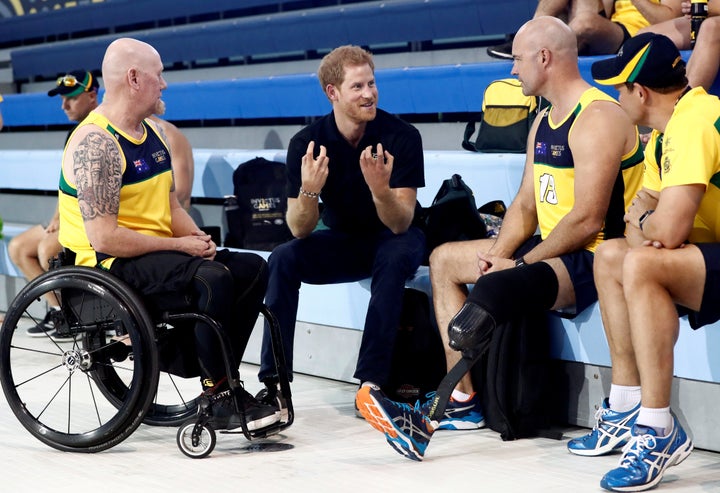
x,y
644,217
519,261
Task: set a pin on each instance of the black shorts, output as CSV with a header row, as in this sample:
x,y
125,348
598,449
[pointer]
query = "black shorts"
x,y
710,306
579,265
157,273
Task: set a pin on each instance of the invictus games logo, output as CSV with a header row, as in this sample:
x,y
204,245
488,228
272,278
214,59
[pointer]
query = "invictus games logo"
x,y
264,204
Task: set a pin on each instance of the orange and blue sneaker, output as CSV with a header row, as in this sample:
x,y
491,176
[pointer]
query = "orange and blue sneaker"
x,y
458,415
611,432
406,428
646,457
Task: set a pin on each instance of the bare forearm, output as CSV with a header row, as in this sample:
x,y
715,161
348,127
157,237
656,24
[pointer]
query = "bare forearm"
x,y
519,224
394,212
571,234
655,13
302,216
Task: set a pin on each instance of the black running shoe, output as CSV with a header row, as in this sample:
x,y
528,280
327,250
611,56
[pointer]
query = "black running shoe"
x,y
271,395
502,51
257,414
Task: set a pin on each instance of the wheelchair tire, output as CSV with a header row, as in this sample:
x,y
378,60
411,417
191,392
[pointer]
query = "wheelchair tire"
x,y
176,390
205,443
55,387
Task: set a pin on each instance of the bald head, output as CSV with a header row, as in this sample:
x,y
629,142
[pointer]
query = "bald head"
x,y
125,54
132,73
551,33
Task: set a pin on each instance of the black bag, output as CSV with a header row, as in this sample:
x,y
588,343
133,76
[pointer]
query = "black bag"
x,y
513,378
256,213
418,362
505,119
453,215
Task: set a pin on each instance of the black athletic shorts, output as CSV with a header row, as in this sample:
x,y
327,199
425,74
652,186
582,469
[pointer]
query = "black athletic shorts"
x,y
579,265
710,306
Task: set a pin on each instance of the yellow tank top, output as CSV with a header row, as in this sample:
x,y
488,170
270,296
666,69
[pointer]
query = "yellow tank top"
x,y
146,184
554,174
628,15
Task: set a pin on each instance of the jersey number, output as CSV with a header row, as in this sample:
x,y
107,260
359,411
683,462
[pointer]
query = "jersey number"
x,y
547,189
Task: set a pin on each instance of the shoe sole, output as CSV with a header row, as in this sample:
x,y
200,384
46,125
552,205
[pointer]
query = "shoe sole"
x,y
48,333
460,425
676,458
372,412
378,419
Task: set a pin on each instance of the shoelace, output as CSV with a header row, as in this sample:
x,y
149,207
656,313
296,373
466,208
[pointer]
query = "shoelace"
x,y
634,449
599,414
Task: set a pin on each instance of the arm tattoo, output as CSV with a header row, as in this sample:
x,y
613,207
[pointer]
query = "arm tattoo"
x,y
98,175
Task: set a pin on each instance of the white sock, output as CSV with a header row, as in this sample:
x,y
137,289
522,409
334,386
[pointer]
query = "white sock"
x,y
460,396
659,419
624,398
368,383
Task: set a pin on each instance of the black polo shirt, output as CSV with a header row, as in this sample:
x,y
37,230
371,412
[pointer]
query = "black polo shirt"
x,y
347,201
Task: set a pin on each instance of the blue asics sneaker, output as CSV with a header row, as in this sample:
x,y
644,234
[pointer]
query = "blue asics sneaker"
x,y
646,457
406,429
612,430
465,415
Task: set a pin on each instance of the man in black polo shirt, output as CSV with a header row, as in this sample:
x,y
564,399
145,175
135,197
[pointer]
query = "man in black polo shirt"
x,y
365,165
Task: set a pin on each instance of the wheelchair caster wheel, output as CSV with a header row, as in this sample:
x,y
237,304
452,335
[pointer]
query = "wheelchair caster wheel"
x,y
196,440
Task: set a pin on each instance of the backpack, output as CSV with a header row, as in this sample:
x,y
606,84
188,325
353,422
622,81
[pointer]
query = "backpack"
x,y
418,363
514,378
453,215
256,212
505,119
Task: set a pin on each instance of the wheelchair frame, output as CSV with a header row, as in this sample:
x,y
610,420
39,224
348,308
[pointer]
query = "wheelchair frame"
x,y
111,360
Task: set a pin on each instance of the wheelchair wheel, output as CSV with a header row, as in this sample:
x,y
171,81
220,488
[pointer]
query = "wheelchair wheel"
x,y
58,388
199,446
174,400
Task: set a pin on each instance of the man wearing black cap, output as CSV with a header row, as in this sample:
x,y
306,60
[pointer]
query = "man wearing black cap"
x,y
31,250
79,91
679,203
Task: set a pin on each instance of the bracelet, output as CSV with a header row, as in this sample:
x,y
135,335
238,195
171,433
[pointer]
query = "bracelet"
x,y
312,195
520,261
644,217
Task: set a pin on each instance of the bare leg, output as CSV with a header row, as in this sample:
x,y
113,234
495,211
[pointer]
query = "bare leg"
x,y
452,266
30,252
678,30
703,64
656,279
596,35
614,311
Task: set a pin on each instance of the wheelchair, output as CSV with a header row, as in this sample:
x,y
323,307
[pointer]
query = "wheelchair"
x,y
116,362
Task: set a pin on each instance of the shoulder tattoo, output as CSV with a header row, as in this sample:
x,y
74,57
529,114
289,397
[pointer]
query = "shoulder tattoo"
x,y
98,175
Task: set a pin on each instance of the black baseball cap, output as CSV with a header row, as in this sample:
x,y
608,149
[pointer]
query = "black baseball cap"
x,y
74,83
649,59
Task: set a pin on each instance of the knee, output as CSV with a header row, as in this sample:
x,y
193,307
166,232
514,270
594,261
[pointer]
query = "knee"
x,y
638,268
609,256
584,24
441,257
15,250
710,32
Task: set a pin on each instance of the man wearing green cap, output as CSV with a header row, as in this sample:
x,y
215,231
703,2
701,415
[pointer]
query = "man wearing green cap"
x,y
31,250
653,269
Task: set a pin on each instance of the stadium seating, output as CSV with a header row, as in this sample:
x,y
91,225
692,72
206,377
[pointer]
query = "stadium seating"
x,y
368,23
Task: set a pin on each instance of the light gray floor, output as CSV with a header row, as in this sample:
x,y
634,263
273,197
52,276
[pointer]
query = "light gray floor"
x,y
327,449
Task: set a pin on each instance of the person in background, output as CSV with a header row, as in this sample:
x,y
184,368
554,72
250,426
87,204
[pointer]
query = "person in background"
x,y
182,155
704,61
601,26
32,250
